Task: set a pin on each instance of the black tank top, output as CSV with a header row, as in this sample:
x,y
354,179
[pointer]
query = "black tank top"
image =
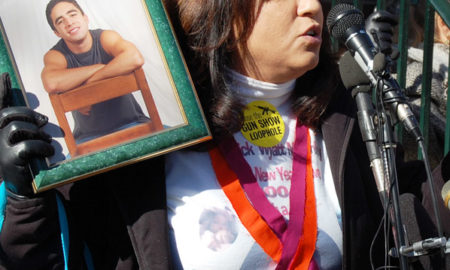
x,y
107,116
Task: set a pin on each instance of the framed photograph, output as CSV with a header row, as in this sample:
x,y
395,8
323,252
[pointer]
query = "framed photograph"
x,y
109,75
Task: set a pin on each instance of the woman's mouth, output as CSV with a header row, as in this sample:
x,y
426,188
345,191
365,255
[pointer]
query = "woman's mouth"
x,y
311,33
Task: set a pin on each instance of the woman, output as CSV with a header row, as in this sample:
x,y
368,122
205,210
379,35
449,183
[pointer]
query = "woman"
x,y
247,55
248,58
285,184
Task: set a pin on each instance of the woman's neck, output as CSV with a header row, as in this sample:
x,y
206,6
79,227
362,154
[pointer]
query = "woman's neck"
x,y
251,89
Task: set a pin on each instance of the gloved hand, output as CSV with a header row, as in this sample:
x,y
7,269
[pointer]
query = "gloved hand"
x,y
380,28
20,140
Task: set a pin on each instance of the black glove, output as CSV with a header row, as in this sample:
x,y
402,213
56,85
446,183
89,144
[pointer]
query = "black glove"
x,y
20,140
380,27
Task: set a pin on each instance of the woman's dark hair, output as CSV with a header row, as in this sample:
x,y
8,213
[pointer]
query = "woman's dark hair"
x,y
210,30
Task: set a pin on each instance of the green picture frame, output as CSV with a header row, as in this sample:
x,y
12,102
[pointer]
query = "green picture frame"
x,y
193,130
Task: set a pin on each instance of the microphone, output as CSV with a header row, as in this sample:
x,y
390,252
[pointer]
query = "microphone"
x,y
446,194
346,24
355,79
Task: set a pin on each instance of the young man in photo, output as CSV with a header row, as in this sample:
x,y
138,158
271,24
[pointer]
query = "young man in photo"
x,y
82,56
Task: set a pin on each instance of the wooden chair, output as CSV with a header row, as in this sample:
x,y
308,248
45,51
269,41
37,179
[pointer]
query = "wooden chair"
x,y
99,91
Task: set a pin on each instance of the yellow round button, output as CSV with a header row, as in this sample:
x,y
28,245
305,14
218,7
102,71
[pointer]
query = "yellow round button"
x,y
263,125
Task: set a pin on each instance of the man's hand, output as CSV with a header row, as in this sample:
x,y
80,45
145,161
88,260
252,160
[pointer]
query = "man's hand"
x,y
20,140
380,27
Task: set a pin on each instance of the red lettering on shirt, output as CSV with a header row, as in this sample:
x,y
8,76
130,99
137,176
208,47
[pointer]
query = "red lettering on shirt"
x,y
285,175
264,176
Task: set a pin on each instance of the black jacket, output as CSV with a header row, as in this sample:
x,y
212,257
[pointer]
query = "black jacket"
x,y
120,215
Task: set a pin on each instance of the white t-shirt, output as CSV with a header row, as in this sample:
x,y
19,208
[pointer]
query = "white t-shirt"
x,y
205,230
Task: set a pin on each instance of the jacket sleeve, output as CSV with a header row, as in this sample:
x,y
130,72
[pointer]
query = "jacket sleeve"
x,y
30,234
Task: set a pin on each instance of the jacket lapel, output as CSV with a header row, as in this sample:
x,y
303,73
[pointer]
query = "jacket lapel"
x,y
336,130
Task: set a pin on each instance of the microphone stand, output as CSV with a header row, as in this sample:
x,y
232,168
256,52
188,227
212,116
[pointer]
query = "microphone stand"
x,y
402,250
388,156
376,126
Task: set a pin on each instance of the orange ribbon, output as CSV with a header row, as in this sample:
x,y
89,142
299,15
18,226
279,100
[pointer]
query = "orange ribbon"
x,y
257,226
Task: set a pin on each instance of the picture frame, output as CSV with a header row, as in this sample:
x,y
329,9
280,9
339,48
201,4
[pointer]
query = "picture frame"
x,y
177,120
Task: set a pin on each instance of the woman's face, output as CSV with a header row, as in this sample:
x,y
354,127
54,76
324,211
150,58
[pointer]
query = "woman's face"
x,y
285,41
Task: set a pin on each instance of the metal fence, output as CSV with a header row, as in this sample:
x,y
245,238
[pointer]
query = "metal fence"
x,y
443,8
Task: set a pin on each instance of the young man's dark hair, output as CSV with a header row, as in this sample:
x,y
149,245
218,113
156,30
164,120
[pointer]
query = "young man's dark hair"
x,y
52,4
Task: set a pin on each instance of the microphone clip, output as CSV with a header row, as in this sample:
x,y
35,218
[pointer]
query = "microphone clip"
x,y
423,247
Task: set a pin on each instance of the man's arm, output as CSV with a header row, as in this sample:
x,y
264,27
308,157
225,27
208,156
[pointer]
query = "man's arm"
x,y
56,77
126,56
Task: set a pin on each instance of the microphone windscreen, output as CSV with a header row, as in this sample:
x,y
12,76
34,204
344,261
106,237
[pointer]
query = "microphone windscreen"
x,y
351,73
379,62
